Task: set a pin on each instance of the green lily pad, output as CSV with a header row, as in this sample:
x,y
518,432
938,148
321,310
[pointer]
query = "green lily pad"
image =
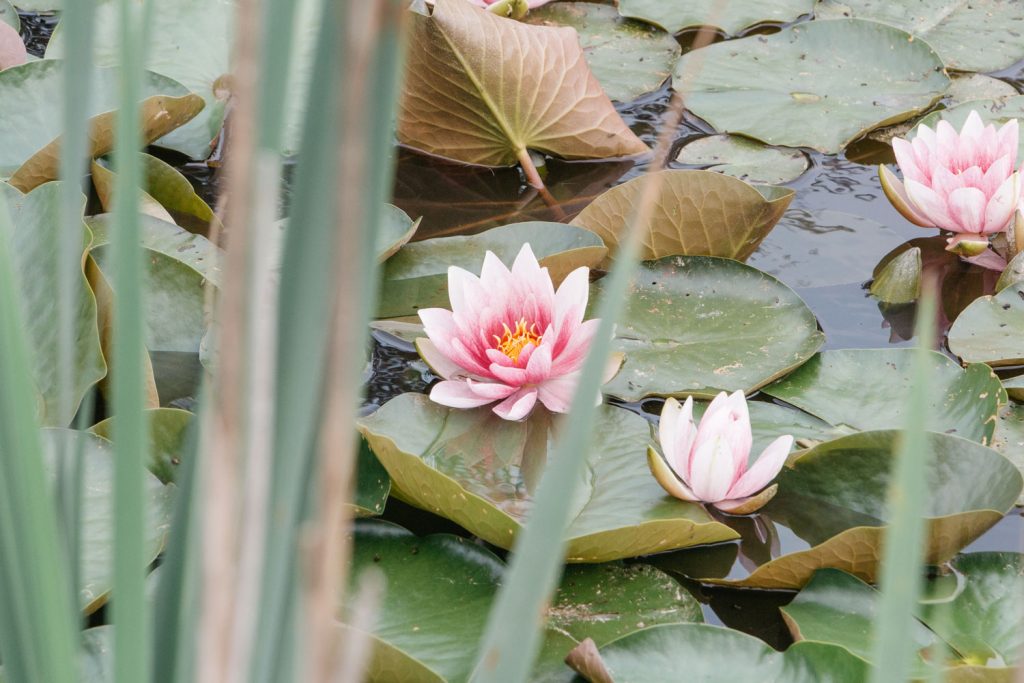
x,y
417,276
867,389
628,58
989,329
396,230
979,623
29,120
37,232
970,87
835,607
481,471
745,159
997,111
711,654
698,325
1009,436
1012,274
9,15
982,621
166,186
168,434
819,84
191,42
952,27
415,640
834,498
97,532
697,213
1015,387
372,484
731,18
180,264
607,601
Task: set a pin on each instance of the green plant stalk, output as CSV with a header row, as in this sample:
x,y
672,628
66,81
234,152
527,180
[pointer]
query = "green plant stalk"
x,y
37,628
903,552
278,23
302,335
174,608
77,74
129,608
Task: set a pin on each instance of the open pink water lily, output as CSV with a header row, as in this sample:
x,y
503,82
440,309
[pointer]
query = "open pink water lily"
x,y
963,182
709,463
510,337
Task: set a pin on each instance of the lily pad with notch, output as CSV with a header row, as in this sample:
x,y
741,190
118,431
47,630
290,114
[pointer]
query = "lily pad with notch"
x,y
819,84
866,389
731,17
833,497
697,213
694,326
481,472
989,329
745,159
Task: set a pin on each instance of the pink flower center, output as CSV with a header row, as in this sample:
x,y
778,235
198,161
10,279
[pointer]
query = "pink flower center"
x,y
514,341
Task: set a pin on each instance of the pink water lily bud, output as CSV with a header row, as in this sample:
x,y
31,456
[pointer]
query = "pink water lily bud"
x,y
510,337
710,463
965,182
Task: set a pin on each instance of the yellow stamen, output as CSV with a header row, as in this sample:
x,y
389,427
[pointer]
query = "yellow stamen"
x,y
514,341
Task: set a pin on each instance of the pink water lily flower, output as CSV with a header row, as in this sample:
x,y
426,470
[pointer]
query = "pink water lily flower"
x,y
709,463
510,337
963,182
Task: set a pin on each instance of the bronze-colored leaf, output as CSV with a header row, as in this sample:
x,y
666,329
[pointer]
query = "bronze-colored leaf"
x,y
698,213
103,181
160,115
482,89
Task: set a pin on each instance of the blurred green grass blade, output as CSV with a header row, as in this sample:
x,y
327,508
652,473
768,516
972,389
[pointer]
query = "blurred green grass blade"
x,y
903,552
278,24
129,608
512,637
174,608
302,344
77,74
37,621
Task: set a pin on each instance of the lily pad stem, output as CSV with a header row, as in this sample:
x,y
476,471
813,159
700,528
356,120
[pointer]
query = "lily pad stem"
x,y
532,175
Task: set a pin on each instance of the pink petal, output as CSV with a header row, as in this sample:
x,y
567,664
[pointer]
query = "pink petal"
x,y
711,470
997,173
967,207
947,146
1008,136
556,393
463,290
455,394
571,302
676,433
538,367
517,406
492,391
514,376
12,47
987,259
907,161
439,363
494,276
738,433
570,356
1002,205
929,204
438,323
767,467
